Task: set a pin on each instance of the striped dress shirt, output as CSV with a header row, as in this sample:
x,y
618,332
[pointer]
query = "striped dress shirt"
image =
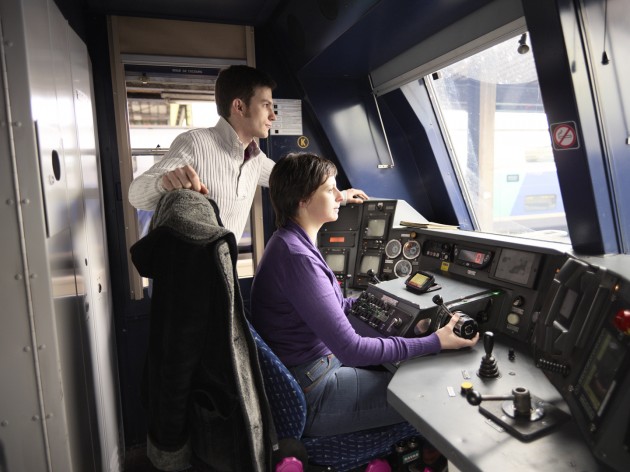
x,y
217,154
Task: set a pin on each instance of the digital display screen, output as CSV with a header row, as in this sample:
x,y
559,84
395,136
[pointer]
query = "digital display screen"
x,y
598,380
336,261
376,228
337,239
516,266
418,280
370,262
471,256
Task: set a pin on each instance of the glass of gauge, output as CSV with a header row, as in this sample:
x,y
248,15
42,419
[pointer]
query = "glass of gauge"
x,y
411,249
393,248
402,268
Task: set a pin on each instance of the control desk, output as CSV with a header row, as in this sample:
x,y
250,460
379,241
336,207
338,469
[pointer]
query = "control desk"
x,y
427,392
557,401
545,388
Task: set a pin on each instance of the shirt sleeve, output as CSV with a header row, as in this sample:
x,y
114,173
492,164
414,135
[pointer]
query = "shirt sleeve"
x,y
267,166
317,303
146,189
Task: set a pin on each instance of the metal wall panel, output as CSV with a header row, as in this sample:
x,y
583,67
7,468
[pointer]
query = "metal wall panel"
x,y
565,85
30,323
606,30
19,408
93,263
59,408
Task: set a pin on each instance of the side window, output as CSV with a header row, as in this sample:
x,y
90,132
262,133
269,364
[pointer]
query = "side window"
x,y
492,117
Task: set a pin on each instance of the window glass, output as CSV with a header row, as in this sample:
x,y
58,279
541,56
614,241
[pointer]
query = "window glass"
x,y
492,116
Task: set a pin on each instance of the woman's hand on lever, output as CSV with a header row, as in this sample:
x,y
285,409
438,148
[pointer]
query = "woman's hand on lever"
x,y
448,338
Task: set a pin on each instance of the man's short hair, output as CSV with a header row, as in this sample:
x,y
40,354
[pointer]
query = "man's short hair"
x,y
295,178
238,81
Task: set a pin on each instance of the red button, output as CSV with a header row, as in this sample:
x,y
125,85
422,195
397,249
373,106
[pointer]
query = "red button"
x,y
622,321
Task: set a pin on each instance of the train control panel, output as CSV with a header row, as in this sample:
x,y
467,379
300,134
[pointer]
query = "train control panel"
x,y
560,395
567,318
362,243
522,269
391,309
367,245
582,344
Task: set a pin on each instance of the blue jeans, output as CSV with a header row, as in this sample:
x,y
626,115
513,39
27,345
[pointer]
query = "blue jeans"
x,y
344,399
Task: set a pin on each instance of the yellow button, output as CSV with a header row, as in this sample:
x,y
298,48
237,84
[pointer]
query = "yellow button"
x,y
466,387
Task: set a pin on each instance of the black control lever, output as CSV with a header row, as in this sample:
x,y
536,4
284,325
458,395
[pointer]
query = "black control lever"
x,y
465,327
440,302
519,413
520,407
489,368
373,278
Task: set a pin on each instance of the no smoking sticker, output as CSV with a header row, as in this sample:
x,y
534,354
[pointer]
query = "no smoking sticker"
x,y
564,136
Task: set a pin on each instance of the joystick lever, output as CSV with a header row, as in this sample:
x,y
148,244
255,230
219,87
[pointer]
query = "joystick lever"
x,y
488,343
488,368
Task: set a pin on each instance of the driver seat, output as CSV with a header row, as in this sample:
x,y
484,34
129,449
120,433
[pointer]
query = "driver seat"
x,y
342,452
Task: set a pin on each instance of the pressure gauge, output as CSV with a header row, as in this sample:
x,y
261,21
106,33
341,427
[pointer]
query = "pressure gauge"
x,y
402,268
393,248
411,249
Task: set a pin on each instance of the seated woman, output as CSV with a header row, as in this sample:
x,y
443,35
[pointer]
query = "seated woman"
x,y
299,310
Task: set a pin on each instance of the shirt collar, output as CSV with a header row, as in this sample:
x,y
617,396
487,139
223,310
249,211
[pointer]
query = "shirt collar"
x,y
232,140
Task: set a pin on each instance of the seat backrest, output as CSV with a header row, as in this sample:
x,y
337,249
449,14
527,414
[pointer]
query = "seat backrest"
x,y
286,399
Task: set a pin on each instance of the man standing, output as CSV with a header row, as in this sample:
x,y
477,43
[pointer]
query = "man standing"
x,y
224,161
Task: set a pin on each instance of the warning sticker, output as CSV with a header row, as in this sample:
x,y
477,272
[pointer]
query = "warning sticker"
x,y
564,136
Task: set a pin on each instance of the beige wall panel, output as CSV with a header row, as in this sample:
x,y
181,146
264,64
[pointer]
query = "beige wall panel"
x,y
154,36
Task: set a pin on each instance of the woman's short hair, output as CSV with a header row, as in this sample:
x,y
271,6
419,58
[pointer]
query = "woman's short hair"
x,y
238,81
295,178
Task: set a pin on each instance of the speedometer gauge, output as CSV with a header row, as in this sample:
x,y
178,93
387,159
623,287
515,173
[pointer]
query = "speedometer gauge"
x,y
393,248
402,268
411,249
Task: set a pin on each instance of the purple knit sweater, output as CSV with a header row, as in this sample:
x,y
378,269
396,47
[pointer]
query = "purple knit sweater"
x,y
299,309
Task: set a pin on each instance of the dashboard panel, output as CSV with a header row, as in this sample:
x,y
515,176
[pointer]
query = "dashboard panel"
x,y
367,245
572,314
521,269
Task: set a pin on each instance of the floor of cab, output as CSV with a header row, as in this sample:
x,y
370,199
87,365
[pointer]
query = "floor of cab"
x,y
136,460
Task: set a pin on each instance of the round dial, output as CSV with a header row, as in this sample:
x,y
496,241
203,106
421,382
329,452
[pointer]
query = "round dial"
x,y
393,248
411,249
402,268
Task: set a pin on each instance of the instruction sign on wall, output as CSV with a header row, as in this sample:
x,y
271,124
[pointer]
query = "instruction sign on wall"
x,y
288,117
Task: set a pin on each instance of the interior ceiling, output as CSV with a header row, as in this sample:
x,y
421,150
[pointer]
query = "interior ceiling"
x,y
241,12
318,37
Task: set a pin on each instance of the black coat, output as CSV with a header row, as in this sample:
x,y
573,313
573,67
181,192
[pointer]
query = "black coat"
x,y
204,392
